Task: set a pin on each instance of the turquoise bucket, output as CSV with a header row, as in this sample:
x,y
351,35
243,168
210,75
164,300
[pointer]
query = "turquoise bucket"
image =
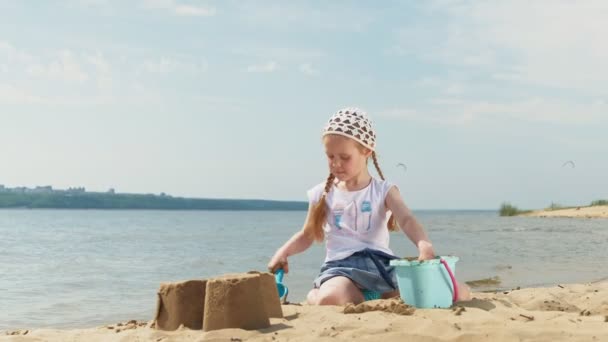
x,y
427,284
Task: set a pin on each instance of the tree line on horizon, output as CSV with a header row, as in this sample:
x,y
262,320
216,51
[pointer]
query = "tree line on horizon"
x,y
137,201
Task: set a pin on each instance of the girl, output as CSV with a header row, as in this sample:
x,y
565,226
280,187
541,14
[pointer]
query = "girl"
x,y
351,210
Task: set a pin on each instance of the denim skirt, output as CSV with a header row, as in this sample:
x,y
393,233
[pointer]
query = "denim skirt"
x,y
369,269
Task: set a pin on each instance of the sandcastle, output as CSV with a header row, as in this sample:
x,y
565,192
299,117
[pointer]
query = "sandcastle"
x,y
243,300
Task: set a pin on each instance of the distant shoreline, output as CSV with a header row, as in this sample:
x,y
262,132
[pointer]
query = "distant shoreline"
x,y
598,211
142,209
111,201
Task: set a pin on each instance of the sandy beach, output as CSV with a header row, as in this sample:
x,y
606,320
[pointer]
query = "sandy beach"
x,y
576,312
599,211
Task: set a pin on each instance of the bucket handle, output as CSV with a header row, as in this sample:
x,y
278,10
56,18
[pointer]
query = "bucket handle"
x,y
454,284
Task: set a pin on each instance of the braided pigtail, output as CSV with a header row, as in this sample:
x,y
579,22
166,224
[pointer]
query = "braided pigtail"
x,y
318,217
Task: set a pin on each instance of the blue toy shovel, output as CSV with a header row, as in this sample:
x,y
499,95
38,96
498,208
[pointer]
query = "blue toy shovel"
x,y
278,277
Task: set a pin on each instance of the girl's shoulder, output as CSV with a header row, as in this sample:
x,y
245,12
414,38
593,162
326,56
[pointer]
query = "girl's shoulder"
x,y
382,186
314,193
382,183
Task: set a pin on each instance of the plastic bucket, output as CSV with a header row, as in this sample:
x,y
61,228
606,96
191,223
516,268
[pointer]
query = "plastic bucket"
x,y
429,283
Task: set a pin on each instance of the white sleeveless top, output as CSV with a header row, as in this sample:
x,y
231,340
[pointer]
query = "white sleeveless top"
x,y
356,219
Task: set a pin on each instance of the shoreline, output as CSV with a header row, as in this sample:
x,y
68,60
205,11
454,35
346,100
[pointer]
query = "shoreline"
x,y
569,312
598,211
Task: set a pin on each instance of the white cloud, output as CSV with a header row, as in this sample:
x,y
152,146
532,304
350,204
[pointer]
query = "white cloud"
x,y
162,66
540,61
10,94
179,8
167,65
155,4
453,111
64,68
13,55
196,11
431,116
63,77
289,14
308,69
454,89
301,58
75,78
539,109
83,78
91,3
266,67
446,86
286,53
21,95
553,43
102,69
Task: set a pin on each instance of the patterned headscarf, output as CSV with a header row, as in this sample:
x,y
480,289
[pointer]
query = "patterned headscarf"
x,y
352,123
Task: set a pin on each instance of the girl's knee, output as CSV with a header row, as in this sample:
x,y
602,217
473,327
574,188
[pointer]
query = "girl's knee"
x,y
339,297
337,291
329,298
311,298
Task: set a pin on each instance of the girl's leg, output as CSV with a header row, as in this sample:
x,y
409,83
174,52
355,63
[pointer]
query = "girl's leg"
x,y
311,298
387,295
464,292
336,291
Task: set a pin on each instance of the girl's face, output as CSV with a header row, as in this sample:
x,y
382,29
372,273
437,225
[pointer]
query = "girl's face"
x,y
346,157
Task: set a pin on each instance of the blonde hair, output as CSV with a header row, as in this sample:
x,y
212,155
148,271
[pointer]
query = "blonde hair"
x,y
318,215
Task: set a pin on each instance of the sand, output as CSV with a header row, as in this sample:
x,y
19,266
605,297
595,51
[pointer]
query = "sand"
x,y
576,312
599,211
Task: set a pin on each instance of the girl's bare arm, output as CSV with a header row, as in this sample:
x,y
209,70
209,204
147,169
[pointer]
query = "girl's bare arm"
x,y
408,224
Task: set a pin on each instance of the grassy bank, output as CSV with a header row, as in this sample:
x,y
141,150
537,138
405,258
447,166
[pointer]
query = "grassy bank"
x,y
507,209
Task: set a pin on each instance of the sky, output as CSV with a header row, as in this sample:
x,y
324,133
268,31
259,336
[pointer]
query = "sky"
x,y
484,101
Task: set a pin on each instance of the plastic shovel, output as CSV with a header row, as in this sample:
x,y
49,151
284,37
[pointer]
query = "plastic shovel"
x,y
281,288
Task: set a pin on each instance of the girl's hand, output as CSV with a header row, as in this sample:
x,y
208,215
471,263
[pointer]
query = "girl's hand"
x,y
278,261
425,250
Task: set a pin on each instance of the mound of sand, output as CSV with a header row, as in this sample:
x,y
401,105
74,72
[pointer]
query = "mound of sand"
x,y
394,305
